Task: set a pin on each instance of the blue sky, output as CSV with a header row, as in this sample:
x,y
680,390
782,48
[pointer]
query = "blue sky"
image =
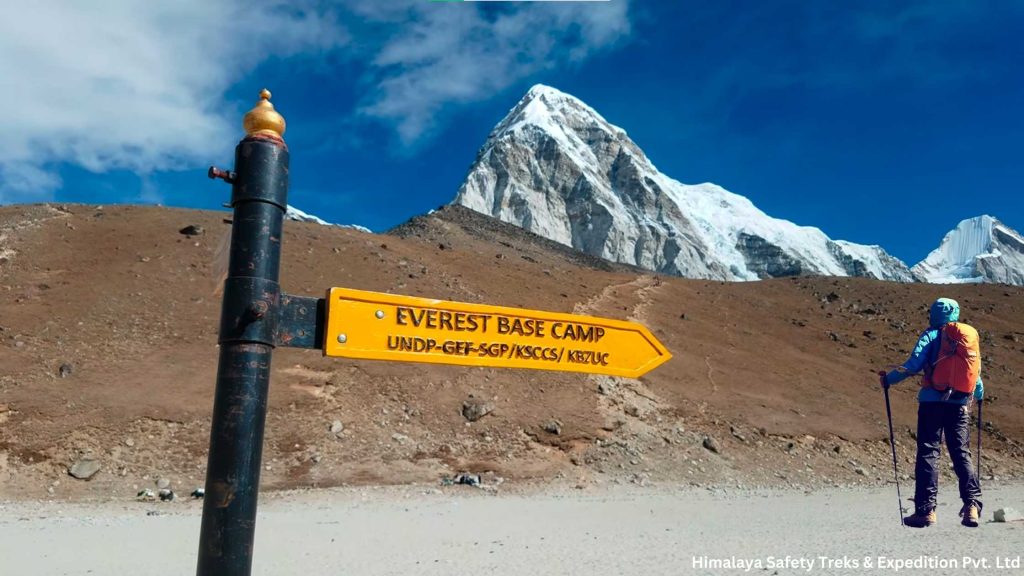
x,y
879,122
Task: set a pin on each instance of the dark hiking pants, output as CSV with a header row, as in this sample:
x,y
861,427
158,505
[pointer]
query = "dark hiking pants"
x,y
935,419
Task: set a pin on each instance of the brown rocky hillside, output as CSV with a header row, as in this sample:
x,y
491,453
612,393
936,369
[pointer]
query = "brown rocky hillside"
x,y
108,319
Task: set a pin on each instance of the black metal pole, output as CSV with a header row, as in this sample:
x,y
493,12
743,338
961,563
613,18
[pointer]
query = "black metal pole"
x,y
892,443
980,402
249,317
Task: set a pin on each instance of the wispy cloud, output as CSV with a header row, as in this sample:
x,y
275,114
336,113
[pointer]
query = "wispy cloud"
x,y
116,84
149,191
434,55
123,85
23,180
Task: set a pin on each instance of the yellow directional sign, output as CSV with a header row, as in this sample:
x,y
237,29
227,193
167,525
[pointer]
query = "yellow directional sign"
x,y
378,326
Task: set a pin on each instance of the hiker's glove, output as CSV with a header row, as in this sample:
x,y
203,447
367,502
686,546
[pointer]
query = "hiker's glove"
x,y
882,381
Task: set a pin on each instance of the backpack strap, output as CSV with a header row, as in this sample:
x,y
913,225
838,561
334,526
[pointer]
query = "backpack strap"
x,y
933,354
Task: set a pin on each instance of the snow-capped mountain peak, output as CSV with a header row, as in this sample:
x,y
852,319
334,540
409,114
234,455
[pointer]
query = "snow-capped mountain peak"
x,y
556,167
979,249
548,108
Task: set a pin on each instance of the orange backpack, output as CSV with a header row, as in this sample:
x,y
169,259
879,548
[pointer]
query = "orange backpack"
x,y
958,364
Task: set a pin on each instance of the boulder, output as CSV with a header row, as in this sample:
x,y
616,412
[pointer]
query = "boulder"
x,y
84,469
475,409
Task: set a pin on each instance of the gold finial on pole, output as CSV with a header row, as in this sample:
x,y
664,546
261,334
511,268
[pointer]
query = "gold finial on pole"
x,y
263,120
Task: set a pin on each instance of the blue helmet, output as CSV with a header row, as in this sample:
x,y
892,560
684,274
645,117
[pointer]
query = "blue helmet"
x,y
943,311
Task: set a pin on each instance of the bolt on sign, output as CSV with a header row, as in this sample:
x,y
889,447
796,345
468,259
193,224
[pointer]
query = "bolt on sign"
x,y
378,326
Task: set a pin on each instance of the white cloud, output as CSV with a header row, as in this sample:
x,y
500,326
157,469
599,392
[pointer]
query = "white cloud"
x,y
139,86
439,54
23,181
118,84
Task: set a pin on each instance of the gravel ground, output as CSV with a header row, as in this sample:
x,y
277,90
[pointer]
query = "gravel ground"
x,y
461,530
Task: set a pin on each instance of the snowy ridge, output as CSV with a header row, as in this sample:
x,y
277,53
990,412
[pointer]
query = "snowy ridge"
x,y
980,249
556,167
297,215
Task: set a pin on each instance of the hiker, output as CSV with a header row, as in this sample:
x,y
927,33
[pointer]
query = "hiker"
x,y
950,380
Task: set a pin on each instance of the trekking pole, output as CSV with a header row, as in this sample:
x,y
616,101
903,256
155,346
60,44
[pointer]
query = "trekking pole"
x,y
892,443
979,440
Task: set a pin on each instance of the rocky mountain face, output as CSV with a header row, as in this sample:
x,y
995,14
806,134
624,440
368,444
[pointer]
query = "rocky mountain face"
x,y
555,167
980,249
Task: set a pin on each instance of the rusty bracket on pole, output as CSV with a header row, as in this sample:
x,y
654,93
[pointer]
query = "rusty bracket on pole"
x,y
301,322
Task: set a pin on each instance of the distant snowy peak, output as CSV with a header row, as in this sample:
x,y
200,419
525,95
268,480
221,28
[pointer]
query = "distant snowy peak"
x,y
297,215
980,249
556,167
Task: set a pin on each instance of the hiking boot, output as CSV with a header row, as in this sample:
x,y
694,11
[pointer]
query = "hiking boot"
x,y
969,515
920,519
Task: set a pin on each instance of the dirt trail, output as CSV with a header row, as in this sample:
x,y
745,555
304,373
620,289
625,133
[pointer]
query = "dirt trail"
x,y
639,287
623,398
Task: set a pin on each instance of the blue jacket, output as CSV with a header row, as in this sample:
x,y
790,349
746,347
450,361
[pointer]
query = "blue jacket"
x,y
925,350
